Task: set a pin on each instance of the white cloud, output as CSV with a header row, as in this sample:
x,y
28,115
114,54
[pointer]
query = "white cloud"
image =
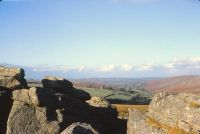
x,y
115,68
169,65
184,66
107,68
193,62
145,67
81,68
195,59
127,67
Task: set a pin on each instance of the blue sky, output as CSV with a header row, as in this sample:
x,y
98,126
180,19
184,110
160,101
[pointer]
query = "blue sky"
x,y
120,36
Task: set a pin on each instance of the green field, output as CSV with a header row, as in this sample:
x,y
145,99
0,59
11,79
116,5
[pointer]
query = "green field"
x,y
116,96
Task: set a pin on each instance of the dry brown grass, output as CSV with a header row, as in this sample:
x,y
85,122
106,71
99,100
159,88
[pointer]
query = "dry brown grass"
x,y
124,108
152,122
176,130
170,130
195,105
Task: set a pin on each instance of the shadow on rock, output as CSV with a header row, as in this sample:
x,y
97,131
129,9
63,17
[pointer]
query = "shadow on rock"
x,y
6,105
103,120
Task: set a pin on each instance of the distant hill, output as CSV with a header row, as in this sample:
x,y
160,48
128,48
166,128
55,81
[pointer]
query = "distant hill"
x,y
190,84
115,83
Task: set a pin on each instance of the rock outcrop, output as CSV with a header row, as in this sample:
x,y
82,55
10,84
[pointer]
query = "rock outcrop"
x,y
59,107
50,109
31,112
12,78
43,111
56,83
168,113
64,86
180,110
79,128
99,102
138,124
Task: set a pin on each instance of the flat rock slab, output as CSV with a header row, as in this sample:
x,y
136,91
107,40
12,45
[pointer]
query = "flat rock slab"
x,y
12,78
64,86
56,83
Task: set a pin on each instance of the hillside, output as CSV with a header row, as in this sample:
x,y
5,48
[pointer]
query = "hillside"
x,y
190,84
116,83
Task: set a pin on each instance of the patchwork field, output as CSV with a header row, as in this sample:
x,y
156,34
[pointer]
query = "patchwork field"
x,y
120,97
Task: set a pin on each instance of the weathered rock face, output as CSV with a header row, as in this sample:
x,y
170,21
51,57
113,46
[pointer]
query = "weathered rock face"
x,y
43,111
27,119
181,110
12,78
51,109
99,102
168,113
64,86
39,97
137,124
38,111
79,128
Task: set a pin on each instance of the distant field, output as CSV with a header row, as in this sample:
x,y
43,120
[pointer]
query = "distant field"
x,y
120,97
118,90
105,92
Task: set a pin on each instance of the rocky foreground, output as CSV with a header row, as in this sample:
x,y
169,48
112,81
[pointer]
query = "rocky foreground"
x,y
56,107
167,114
59,108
